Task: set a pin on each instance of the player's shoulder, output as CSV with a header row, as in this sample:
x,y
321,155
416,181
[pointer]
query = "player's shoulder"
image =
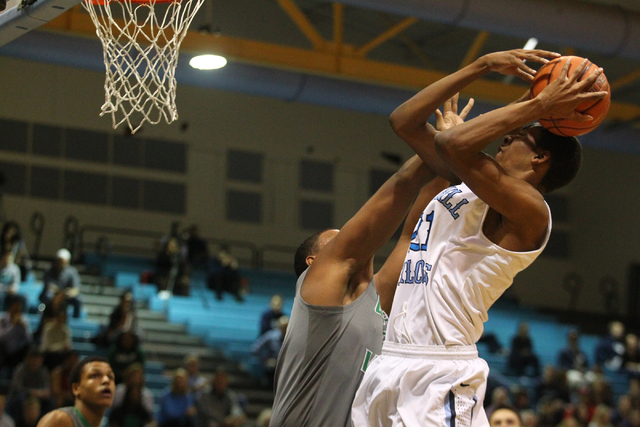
x,y
56,418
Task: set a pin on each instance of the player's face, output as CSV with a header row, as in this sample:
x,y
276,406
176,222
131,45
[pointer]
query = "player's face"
x,y
97,385
518,147
504,418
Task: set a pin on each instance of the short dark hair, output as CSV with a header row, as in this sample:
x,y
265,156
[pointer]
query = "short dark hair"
x,y
76,373
507,407
566,158
306,248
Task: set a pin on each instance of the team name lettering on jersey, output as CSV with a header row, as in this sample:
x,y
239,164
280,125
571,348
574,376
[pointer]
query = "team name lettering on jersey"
x,y
445,198
414,274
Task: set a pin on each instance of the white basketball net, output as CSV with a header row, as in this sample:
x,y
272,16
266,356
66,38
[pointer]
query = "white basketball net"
x,y
140,56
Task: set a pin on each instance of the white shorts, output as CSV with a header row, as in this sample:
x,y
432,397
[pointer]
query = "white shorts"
x,y
411,385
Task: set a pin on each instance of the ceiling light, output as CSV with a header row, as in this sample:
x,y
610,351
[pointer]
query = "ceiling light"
x,y
208,62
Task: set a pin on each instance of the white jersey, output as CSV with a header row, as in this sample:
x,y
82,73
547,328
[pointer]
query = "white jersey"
x,y
452,273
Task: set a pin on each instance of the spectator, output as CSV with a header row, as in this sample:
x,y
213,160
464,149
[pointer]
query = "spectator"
x,y
267,348
622,411
263,419
177,406
132,412
31,378
226,278
57,305
56,341
529,418
63,276
9,278
631,358
492,343
172,271
15,336
5,419
610,350
552,385
573,360
195,380
197,248
499,398
269,318
60,388
30,413
504,416
134,378
601,417
11,241
124,352
522,360
633,420
219,407
122,319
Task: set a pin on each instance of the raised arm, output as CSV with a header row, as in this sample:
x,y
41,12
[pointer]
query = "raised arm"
x,y
409,120
329,277
512,196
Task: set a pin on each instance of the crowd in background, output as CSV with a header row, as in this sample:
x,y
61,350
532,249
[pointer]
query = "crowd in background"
x,y
35,365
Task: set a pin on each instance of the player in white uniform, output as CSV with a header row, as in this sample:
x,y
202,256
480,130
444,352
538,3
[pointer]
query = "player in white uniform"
x,y
470,241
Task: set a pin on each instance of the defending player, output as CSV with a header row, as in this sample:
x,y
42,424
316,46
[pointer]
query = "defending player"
x,y
92,384
336,325
469,243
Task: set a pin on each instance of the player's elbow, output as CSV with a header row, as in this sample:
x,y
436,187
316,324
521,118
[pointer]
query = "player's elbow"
x,y
397,122
444,145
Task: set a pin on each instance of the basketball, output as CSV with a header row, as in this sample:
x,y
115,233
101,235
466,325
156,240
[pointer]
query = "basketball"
x,y
597,109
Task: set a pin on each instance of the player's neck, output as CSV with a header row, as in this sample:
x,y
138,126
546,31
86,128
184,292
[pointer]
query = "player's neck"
x,y
92,414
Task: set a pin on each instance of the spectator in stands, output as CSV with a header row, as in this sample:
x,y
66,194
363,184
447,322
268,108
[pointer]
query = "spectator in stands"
x,y
31,378
5,419
219,407
601,417
499,397
122,319
610,350
493,344
172,270
196,381
9,278
550,412
521,400
529,418
30,413
522,360
134,378
505,416
631,358
60,387
57,305
267,348
56,341
269,319
15,336
177,407
62,275
633,420
227,277
572,357
124,352
131,412
622,410
11,241
198,248
263,419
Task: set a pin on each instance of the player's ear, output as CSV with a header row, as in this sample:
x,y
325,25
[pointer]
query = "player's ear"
x,y
541,157
310,259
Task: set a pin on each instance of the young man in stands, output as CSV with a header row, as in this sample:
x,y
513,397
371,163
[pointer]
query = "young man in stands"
x,y
93,386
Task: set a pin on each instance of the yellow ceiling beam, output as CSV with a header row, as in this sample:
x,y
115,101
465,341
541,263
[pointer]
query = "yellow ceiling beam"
x,y
625,80
302,22
338,33
475,48
352,67
389,33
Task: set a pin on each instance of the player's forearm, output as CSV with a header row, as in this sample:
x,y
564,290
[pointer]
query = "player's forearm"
x,y
473,136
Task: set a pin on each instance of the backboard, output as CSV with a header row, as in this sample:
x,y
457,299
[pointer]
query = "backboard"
x,y
19,18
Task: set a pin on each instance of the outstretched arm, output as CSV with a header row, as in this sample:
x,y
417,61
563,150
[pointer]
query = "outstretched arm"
x,y
409,120
514,198
329,277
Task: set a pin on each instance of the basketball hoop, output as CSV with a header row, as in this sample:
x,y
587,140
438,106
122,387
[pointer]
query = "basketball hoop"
x,y
141,39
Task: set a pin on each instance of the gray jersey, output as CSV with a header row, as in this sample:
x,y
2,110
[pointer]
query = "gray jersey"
x,y
70,410
325,353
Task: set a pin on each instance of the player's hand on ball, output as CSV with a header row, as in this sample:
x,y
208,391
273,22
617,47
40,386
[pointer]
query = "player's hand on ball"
x,y
512,63
450,117
561,97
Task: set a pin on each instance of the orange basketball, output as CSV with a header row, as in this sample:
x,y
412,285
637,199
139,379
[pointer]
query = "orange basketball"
x,y
597,109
